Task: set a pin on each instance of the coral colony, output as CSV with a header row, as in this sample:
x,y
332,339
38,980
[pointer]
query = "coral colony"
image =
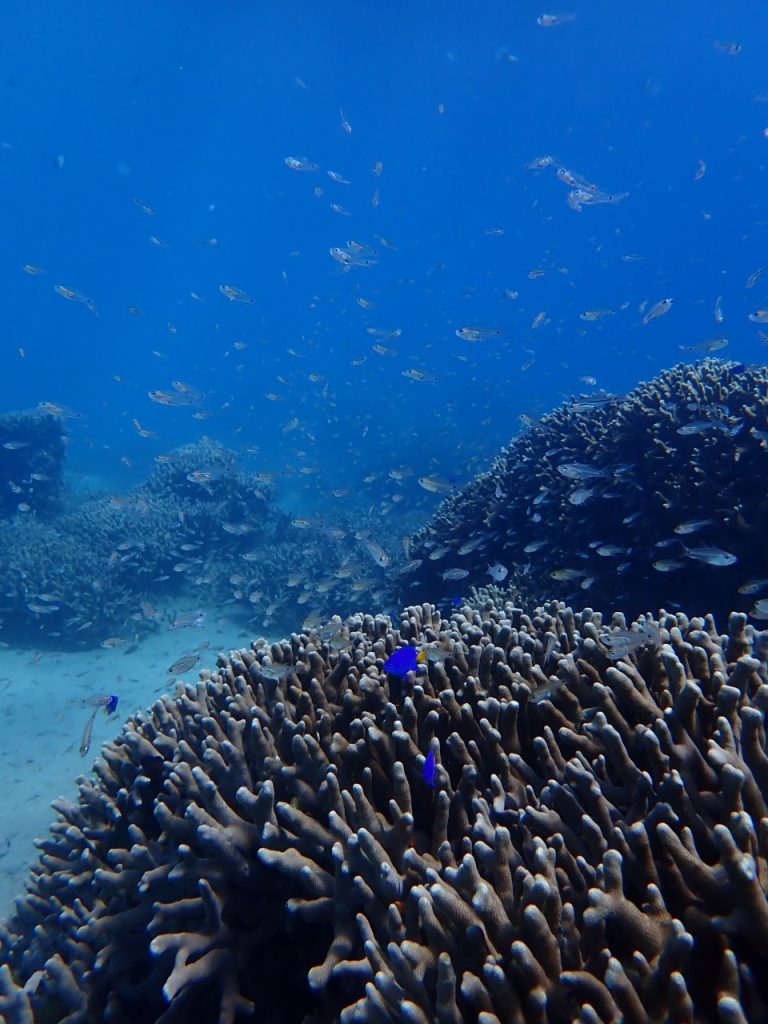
x,y
493,809
284,841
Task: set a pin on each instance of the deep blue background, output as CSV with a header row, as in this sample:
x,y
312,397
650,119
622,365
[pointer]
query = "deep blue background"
x,y
193,108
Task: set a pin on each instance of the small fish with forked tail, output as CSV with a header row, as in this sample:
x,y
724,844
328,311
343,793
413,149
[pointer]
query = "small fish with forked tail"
x,y
106,701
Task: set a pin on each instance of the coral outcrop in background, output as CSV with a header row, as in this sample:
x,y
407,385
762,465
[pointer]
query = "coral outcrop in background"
x,y
272,844
32,446
636,503
200,530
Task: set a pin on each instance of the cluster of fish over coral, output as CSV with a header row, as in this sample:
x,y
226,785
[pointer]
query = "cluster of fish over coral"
x,y
589,843
639,502
200,530
633,502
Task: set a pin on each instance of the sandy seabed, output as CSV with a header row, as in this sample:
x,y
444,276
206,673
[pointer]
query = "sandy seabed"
x,y
42,718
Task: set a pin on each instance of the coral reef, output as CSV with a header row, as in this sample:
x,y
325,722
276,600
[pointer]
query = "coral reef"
x,y
269,844
87,573
635,503
32,446
200,530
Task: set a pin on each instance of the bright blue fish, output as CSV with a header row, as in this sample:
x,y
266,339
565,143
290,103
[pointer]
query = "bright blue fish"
x,y
428,771
403,661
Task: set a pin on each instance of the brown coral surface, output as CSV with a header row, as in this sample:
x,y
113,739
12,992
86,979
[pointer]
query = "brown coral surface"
x,y
267,846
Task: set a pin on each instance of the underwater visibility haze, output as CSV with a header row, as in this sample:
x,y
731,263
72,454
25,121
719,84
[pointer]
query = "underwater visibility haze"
x,y
431,337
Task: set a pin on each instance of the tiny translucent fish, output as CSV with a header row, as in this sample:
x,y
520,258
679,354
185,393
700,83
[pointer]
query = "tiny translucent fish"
x,y
235,294
691,526
591,196
377,553
183,664
298,163
337,178
195,620
33,268
476,333
754,278
408,567
454,574
435,485
534,545
580,471
74,296
553,20
274,673
54,409
352,256
719,309
753,586
711,556
345,123
701,170
590,315
497,572
109,703
142,206
711,345
622,642
658,309
697,427
581,495
760,316
546,690
759,610
419,375
166,398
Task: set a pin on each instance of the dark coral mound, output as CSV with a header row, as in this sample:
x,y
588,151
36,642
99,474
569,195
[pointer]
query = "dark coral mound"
x,y
587,502
86,573
32,446
201,529
266,846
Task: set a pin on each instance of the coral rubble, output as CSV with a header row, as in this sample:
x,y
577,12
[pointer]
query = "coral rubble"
x,y
636,503
267,845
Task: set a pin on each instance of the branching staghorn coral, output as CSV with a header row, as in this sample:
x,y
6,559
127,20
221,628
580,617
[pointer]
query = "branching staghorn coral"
x,y
268,846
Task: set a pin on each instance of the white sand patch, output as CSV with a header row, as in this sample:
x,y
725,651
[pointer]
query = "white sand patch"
x,y
42,719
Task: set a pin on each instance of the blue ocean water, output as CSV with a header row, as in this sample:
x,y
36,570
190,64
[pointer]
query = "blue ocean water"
x,y
192,111
288,210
